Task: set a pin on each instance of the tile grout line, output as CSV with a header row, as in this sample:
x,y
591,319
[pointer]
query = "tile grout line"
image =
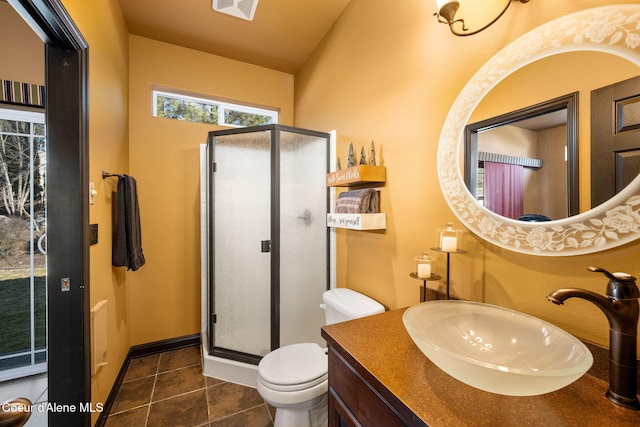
x,y
244,410
177,369
179,395
206,396
153,389
128,410
146,420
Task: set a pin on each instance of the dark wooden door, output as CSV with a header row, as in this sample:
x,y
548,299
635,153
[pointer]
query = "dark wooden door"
x,y
615,138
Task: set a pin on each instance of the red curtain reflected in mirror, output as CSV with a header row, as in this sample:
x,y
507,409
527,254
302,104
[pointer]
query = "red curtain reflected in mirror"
x,y
504,189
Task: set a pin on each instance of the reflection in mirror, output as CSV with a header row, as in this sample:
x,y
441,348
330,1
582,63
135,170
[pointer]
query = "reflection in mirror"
x,y
523,165
615,142
546,79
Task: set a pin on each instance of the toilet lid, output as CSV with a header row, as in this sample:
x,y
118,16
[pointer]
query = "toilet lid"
x,y
294,364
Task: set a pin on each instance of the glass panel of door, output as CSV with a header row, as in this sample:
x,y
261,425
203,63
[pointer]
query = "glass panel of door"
x,y
23,228
242,206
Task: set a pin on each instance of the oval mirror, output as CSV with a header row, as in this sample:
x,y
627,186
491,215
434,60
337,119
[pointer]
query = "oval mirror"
x,y
614,222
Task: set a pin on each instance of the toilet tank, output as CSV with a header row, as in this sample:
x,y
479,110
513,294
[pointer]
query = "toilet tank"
x,y
342,304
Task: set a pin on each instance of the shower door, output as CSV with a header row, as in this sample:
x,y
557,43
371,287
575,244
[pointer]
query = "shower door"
x,y
268,243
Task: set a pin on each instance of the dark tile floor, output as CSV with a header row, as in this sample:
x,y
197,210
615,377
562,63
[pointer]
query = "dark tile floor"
x,y
168,389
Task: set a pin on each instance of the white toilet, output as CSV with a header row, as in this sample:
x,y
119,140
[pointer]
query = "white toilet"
x,y
293,378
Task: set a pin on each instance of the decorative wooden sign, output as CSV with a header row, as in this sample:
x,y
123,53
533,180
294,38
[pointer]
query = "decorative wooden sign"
x,y
356,175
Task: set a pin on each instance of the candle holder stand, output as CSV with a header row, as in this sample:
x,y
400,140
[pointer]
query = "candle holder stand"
x,y
458,251
423,294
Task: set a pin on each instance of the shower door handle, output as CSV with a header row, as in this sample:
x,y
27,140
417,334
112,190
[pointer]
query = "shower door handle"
x,y
266,245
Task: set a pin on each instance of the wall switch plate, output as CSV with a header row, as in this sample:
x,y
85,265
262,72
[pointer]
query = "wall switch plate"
x,y
92,193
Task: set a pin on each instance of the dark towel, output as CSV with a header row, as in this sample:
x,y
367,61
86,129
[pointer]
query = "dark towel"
x,y
127,240
366,200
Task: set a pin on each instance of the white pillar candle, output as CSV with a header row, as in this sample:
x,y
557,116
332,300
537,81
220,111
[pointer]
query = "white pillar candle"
x,y
449,244
424,271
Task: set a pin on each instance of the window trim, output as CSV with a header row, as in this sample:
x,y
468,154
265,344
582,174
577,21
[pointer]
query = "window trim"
x,y
22,115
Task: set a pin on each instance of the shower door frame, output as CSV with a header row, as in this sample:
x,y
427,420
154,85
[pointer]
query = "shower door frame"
x,y
275,130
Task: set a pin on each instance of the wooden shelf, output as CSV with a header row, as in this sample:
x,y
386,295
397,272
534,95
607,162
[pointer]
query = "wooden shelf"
x,y
355,175
375,221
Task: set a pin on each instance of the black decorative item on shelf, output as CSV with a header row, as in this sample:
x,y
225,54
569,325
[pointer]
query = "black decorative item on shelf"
x,y
363,157
351,158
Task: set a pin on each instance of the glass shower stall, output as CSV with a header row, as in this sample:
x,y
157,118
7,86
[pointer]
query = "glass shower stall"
x,y
267,244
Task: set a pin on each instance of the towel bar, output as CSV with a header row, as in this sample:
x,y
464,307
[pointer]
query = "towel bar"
x,y
109,174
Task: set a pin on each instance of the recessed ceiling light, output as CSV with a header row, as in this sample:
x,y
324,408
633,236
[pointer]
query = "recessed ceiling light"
x,y
243,9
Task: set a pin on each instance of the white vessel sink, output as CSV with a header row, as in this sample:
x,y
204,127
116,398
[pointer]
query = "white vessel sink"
x,y
496,349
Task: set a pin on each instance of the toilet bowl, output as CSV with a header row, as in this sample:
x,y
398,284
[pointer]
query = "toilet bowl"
x,y
294,378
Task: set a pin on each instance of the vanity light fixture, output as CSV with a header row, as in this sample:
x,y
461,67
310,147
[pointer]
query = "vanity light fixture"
x,y
447,11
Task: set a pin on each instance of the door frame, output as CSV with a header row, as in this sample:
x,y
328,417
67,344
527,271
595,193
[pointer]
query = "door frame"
x,y
66,69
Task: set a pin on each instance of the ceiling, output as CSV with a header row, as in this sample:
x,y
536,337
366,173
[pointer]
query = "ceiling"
x,y
281,36
544,121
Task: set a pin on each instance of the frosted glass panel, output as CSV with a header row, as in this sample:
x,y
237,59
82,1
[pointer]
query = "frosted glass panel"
x,y
241,206
303,236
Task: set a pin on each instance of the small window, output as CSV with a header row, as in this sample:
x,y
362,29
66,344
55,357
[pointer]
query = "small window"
x,y
201,110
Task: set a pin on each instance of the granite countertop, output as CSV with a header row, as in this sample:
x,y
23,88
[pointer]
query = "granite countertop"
x,y
381,347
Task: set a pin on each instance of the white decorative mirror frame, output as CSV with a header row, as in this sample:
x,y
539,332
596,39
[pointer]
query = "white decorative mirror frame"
x,y
612,29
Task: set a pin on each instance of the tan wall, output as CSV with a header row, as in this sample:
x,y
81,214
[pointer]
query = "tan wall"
x,y
24,61
390,74
164,159
103,27
553,179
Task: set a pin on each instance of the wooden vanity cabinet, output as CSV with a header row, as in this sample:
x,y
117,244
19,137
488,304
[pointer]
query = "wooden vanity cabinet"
x,y
357,399
379,378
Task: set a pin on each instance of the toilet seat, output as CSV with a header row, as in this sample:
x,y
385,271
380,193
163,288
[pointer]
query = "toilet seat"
x,y
294,367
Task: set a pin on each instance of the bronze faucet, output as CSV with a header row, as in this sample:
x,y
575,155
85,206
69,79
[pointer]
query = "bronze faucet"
x,y
621,308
